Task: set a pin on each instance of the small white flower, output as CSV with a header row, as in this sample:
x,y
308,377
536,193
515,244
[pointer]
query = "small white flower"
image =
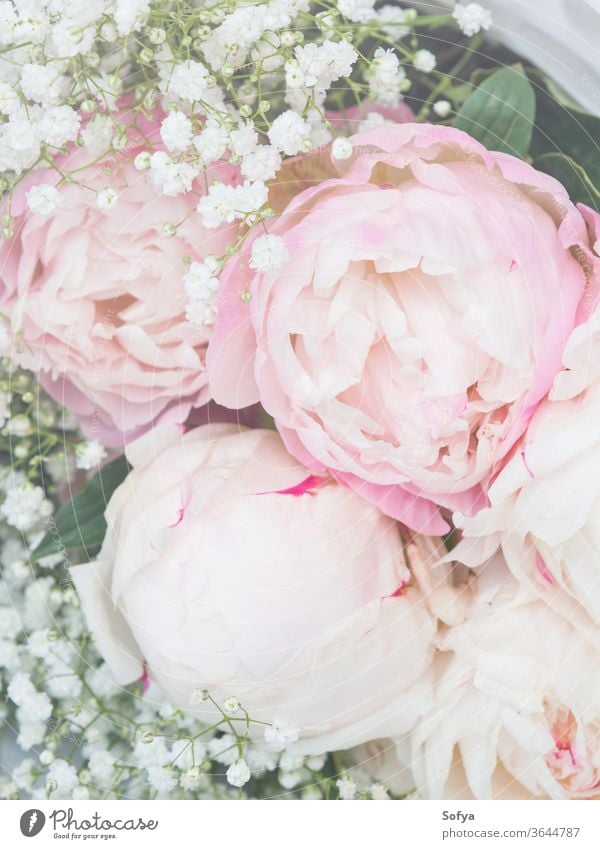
x,y
250,197
211,143
46,757
9,655
280,734
217,206
59,125
101,766
20,426
289,780
9,99
38,643
238,773
472,18
289,133
346,788
23,774
36,707
316,762
89,454
44,199
198,696
42,84
153,753
393,21
200,282
20,688
64,775
424,61
169,177
25,505
290,761
31,734
442,108
386,77
130,15
262,163
379,792
260,759
97,134
244,139
10,623
269,253
80,792
107,199
358,11
341,148
64,685
162,778
176,131
191,778
167,712
294,75
187,81
143,160
231,705
202,313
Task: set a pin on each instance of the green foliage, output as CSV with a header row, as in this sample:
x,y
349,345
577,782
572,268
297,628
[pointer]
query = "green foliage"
x,y
573,177
80,522
500,113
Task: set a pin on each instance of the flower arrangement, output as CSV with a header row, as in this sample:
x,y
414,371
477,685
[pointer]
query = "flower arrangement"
x,y
298,400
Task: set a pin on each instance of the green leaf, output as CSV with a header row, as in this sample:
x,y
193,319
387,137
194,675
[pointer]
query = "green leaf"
x,y
80,522
501,112
573,177
564,128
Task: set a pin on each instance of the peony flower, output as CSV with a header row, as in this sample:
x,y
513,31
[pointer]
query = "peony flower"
x,y
95,297
228,567
545,504
421,318
516,699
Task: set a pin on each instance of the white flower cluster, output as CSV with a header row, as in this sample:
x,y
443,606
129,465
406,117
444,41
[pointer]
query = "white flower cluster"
x,y
472,18
386,78
24,505
68,68
245,85
201,285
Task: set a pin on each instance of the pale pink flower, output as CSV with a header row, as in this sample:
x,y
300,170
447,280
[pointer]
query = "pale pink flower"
x,y
420,320
228,566
544,506
516,699
95,297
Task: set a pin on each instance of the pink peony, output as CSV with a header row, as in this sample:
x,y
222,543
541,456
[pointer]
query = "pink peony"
x,y
228,566
95,297
544,506
419,321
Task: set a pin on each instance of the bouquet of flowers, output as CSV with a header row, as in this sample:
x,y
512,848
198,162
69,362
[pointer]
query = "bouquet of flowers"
x,y
299,401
